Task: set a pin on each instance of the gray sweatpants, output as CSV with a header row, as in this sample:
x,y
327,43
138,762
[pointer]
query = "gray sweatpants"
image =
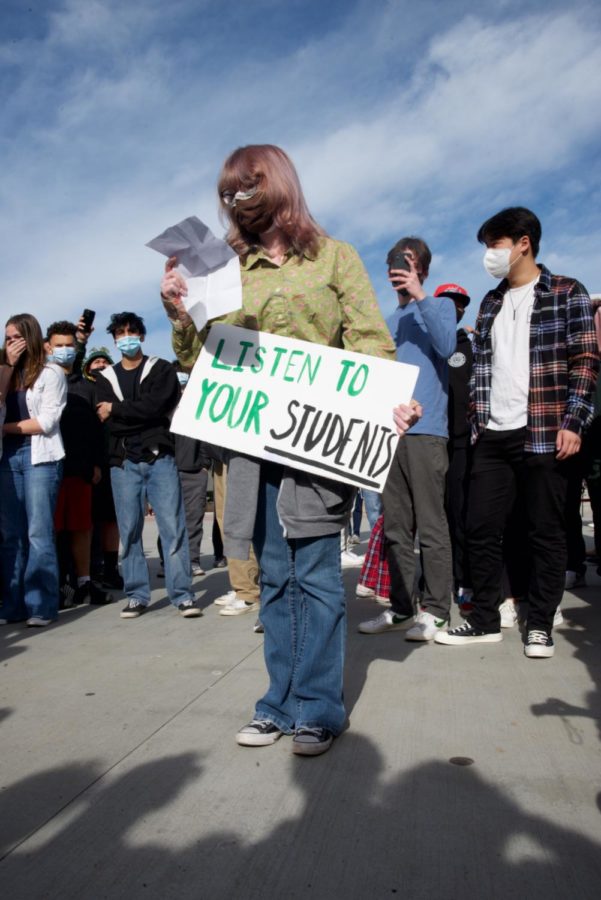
x,y
413,500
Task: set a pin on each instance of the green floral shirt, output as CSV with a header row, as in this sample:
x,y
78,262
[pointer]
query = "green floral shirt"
x,y
327,300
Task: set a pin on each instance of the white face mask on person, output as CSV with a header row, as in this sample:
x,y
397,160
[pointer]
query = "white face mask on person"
x,y
497,261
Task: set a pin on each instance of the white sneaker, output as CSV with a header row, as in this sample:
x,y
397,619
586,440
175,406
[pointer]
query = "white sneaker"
x,y
238,607
426,627
349,559
363,591
509,614
354,539
386,621
225,599
558,618
575,580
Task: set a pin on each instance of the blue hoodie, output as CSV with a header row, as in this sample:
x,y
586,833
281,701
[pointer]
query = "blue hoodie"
x,y
425,334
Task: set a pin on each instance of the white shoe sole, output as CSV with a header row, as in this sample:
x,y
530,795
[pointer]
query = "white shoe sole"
x,y
311,749
402,626
193,613
257,740
239,611
222,601
420,636
539,652
443,637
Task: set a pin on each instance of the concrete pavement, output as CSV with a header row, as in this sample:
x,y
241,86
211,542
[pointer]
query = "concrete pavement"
x,y
120,777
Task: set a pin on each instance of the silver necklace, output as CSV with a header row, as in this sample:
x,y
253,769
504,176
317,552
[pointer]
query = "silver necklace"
x,y
515,306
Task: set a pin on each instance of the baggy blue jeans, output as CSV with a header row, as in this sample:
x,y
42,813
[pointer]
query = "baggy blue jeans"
x,y
159,481
28,561
304,615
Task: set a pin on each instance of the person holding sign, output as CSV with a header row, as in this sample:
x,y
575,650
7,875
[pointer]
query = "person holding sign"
x,y
296,282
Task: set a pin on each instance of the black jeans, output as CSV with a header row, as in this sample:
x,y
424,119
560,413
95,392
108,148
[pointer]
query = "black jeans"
x,y
502,471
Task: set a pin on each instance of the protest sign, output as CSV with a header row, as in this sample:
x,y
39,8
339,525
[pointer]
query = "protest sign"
x,y
310,407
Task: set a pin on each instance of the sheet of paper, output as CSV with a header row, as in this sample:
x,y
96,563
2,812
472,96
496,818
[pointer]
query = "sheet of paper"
x,y
209,265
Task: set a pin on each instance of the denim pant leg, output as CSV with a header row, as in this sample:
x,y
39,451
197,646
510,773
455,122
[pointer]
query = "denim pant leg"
x,y
13,537
317,680
165,496
277,604
40,582
129,497
372,502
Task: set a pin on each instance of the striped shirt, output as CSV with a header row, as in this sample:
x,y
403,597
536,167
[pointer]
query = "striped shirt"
x,y
564,360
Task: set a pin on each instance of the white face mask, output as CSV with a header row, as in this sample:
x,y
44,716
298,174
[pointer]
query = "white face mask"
x,y
496,262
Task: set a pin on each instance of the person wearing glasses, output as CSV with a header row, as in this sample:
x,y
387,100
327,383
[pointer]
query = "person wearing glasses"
x,y
299,283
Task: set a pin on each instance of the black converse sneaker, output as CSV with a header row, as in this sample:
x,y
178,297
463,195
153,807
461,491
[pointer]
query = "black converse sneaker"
x,y
467,634
311,741
539,645
258,733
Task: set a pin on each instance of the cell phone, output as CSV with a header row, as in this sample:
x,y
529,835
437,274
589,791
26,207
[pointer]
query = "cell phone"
x,y
88,316
399,261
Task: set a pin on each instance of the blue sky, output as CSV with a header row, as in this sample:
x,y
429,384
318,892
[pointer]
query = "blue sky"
x,y
401,117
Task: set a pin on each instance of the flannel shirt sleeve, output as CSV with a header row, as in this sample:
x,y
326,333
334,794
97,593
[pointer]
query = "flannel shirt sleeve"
x,y
583,360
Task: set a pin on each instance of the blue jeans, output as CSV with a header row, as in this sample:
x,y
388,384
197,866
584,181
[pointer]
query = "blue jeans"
x,y
373,506
28,562
159,482
304,616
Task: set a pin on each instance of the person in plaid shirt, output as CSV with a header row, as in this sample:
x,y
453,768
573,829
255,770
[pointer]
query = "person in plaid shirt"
x,y
534,373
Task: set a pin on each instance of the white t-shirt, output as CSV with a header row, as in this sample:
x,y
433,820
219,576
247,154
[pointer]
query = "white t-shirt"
x,y
511,360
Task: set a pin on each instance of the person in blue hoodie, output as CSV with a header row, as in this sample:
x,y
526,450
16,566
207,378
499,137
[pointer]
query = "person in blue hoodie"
x,y
424,331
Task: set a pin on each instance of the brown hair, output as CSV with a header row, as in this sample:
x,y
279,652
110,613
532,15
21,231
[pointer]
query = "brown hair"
x,y
419,248
33,359
272,170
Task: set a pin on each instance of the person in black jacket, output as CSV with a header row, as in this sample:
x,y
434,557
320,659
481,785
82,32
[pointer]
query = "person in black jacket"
x,y
460,370
136,397
82,439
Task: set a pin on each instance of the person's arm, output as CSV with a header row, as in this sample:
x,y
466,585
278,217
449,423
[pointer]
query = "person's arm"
x,y
160,401
363,327
54,400
440,320
583,366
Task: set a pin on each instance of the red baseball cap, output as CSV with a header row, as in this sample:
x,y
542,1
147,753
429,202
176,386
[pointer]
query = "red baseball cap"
x,y
454,291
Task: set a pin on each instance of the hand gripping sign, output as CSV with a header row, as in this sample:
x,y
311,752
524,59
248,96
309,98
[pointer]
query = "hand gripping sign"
x,y
310,407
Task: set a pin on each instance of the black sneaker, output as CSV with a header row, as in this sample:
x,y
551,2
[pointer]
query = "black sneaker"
x,y
133,609
311,741
258,733
467,634
112,579
258,627
98,597
539,645
189,609
220,563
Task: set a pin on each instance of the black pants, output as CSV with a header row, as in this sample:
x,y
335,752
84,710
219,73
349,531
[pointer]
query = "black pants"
x,y
502,471
456,506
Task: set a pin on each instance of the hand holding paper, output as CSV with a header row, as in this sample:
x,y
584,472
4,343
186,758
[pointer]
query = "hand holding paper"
x,y
207,280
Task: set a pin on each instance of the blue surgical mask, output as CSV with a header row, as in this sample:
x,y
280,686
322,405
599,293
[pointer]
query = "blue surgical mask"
x,y
129,345
182,377
63,356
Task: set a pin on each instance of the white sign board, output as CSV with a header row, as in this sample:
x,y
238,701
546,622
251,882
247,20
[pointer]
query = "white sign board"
x,y
307,406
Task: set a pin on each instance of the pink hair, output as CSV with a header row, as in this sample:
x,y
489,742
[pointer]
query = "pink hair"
x,y
272,170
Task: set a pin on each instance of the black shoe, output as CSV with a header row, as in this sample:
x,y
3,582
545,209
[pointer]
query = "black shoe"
x,y
539,645
66,597
189,609
258,733
81,594
133,609
258,627
112,579
467,634
98,597
311,741
220,563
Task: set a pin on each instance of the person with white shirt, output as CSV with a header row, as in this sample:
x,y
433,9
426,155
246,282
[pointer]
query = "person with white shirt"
x,y
533,377
30,474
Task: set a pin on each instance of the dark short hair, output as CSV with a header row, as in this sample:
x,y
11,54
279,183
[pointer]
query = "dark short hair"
x,y
514,222
419,247
61,328
126,320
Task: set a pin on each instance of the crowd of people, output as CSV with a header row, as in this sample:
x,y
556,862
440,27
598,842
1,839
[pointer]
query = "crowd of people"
x,y
484,488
